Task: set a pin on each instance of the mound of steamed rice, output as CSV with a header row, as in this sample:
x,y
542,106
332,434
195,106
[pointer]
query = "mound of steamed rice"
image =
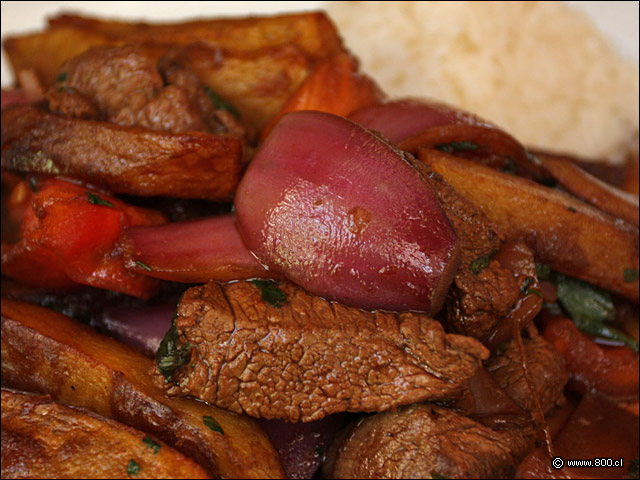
x,y
540,70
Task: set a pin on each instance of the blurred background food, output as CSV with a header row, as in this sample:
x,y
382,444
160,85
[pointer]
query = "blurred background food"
x,y
540,70
557,75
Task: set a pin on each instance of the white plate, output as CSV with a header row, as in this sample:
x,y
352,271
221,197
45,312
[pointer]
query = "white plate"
x,y
619,20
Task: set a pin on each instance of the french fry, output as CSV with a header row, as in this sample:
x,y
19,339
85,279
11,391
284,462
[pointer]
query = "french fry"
x,y
312,32
121,159
570,236
39,434
47,352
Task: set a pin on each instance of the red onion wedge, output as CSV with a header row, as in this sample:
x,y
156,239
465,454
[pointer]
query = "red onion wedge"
x,y
142,328
415,123
192,252
341,213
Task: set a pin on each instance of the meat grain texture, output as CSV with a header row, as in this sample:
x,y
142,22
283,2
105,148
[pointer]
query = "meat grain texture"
x,y
427,441
311,357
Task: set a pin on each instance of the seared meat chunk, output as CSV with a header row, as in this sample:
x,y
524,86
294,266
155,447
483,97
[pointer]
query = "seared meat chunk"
x,y
132,85
492,273
427,441
310,357
546,371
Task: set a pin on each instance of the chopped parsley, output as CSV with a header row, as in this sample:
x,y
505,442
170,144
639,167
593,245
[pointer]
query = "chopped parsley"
x,y
533,291
95,199
211,423
479,264
633,468
543,272
220,103
170,356
271,293
152,444
630,275
133,468
590,308
141,264
452,147
33,185
62,77
510,166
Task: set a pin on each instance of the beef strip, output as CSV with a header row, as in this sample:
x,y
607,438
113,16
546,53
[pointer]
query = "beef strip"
x,y
132,85
546,369
311,357
480,297
427,441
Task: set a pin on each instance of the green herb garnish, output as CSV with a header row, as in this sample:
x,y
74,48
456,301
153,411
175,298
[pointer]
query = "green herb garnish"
x,y
543,272
62,77
452,147
33,185
479,264
590,307
141,264
271,293
630,275
212,424
170,355
510,167
133,468
221,103
533,291
96,200
152,444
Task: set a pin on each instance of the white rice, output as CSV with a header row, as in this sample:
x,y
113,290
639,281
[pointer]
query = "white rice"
x,y
540,70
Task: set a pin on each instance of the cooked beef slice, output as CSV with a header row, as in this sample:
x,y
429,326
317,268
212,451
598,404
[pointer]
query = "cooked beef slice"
x,y
546,371
311,357
132,85
484,290
427,441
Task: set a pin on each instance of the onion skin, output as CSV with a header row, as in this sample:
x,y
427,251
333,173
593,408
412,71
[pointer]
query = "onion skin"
x,y
192,252
342,214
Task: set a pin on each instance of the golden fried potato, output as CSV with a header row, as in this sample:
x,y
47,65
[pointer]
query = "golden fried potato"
x,y
256,63
43,439
570,236
47,352
121,159
312,32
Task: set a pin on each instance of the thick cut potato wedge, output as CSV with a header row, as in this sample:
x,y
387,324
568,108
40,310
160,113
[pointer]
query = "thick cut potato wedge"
x,y
256,63
570,236
312,32
121,159
46,352
43,439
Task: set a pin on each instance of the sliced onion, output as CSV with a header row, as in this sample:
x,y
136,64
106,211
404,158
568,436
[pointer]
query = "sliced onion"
x,y
302,446
11,97
142,328
341,213
583,185
192,252
416,123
